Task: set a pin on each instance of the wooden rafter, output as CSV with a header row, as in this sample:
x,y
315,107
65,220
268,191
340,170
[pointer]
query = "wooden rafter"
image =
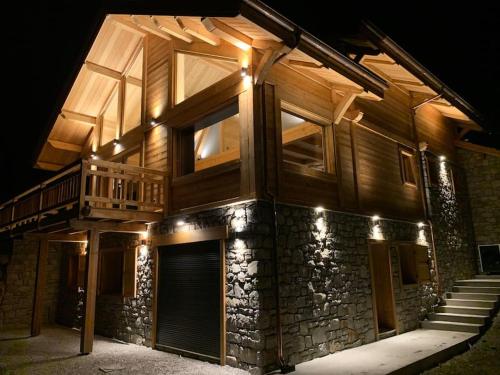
x,y
49,166
125,24
477,148
198,31
60,145
300,132
80,117
271,55
171,27
228,33
103,70
147,24
342,106
304,64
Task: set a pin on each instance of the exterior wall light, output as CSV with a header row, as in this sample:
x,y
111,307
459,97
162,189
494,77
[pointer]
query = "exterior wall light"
x,y
93,155
442,158
375,218
180,223
244,72
116,142
420,224
319,209
153,122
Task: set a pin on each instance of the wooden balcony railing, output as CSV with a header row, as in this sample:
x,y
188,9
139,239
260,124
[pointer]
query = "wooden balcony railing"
x,y
95,189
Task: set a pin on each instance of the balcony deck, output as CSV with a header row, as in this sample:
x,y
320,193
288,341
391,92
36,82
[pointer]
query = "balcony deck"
x,y
90,190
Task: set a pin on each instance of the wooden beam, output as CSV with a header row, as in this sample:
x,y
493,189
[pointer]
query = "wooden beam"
x,y
375,61
80,117
266,44
304,64
198,31
477,148
227,33
265,64
57,237
49,166
342,106
147,24
41,276
407,82
171,27
103,70
299,132
65,146
125,24
213,233
462,133
218,159
108,226
134,81
87,331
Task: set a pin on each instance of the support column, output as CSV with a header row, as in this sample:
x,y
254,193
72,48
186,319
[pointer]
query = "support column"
x,y
87,332
41,276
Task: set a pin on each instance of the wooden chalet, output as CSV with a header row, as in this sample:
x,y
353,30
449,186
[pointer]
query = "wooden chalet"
x,y
172,116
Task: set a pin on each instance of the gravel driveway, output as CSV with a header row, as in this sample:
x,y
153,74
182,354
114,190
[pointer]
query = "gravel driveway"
x,y
55,351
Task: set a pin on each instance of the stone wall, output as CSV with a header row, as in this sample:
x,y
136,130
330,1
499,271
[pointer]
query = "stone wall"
x,y
483,182
452,223
250,300
126,318
16,304
325,284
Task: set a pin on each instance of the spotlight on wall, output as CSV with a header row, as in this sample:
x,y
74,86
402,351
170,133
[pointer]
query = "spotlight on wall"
x,y
319,209
153,122
420,224
93,155
180,223
442,158
244,72
116,142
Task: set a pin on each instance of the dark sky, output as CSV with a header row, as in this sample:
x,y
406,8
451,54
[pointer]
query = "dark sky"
x,y
42,42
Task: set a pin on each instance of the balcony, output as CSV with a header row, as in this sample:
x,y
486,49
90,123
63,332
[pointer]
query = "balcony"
x,y
90,190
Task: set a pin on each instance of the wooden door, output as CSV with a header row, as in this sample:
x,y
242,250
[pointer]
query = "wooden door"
x,y
382,290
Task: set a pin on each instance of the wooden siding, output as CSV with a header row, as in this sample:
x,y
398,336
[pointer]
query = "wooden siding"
x,y
391,114
435,129
381,189
345,166
157,80
156,148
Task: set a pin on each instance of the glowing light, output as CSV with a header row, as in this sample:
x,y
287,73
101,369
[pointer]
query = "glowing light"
x,y
319,209
375,218
116,142
247,81
152,122
420,224
93,156
180,223
239,224
377,232
240,212
244,71
321,227
144,235
442,158
143,251
421,239
239,244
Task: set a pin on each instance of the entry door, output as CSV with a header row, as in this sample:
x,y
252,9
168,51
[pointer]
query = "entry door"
x,y
189,299
383,296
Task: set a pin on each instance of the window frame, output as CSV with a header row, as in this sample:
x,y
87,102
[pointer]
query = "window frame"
x,y
410,154
417,276
102,253
328,145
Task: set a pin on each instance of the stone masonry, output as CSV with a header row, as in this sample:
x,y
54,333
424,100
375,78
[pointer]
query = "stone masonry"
x,y
483,183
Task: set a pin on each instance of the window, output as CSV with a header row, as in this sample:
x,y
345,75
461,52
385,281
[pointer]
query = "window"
x,y
117,272
118,116
302,141
413,264
408,169
195,73
211,141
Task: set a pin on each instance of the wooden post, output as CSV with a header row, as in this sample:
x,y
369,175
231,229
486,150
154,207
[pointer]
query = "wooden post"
x,y
41,276
87,332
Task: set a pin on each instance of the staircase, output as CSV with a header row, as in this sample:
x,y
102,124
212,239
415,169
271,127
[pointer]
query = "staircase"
x,y
469,307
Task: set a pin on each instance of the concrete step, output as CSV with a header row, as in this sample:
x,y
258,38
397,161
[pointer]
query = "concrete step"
x,y
476,289
486,277
479,282
451,326
459,318
465,310
470,303
473,296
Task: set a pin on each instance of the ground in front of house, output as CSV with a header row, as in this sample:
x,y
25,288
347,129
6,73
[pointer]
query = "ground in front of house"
x,y
55,352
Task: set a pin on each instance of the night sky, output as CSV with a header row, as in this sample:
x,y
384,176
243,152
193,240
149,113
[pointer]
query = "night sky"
x,y
42,43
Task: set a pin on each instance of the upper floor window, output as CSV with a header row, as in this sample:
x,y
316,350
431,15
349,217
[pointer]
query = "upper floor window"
x,y
195,73
122,111
408,169
303,141
210,141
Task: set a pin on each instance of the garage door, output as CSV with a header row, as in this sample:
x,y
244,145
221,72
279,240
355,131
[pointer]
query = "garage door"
x,y
188,310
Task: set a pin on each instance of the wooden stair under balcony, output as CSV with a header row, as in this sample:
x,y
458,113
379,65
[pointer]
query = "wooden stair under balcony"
x,y
91,190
